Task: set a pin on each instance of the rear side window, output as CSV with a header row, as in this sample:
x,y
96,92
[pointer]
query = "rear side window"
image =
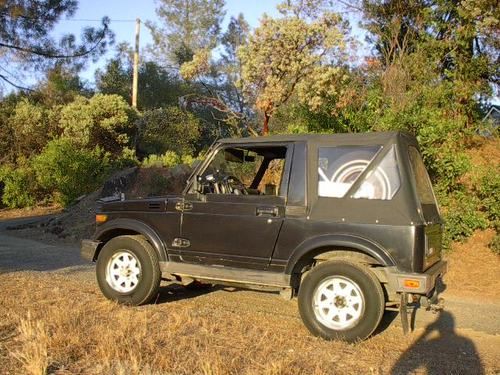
x,y
340,167
383,181
424,187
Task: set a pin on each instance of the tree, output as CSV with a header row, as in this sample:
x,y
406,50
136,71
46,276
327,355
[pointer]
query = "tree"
x,y
26,43
106,121
168,129
421,42
295,54
219,95
115,79
188,26
157,86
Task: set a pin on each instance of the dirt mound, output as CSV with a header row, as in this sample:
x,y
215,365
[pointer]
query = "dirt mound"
x,y
77,221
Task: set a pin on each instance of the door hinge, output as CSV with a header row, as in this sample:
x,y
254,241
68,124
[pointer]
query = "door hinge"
x,y
183,206
181,242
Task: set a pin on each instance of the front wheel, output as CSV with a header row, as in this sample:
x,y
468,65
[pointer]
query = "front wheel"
x,y
341,300
128,270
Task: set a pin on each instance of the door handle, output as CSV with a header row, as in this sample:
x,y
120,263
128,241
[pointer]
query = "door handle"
x,y
267,211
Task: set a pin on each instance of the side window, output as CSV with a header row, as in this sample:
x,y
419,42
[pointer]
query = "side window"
x,y
424,187
245,171
383,181
340,167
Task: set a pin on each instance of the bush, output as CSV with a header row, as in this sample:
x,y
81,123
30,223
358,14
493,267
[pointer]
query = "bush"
x,y
495,244
30,128
168,160
106,121
462,216
69,171
168,129
20,188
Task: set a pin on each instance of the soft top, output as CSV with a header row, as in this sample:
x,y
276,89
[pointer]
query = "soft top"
x,y
370,137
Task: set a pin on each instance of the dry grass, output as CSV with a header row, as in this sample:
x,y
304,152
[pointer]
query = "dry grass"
x,y
60,322
474,269
7,213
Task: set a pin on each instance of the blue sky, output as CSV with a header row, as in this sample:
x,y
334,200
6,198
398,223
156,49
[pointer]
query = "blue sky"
x,y
145,10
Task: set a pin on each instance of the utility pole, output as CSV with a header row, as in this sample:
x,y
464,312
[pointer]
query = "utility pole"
x,y
136,63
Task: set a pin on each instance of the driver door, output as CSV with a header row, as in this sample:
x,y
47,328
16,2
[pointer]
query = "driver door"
x,y
237,228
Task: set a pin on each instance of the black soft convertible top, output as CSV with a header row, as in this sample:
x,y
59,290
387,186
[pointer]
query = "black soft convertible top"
x,y
340,138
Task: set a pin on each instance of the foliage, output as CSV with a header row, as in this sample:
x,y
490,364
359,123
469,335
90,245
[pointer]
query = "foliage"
x,y
292,54
157,87
495,244
30,129
115,79
219,102
19,186
26,43
167,160
462,216
68,170
188,26
198,66
168,129
106,121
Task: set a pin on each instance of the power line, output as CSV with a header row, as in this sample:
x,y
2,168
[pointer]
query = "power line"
x,y
92,20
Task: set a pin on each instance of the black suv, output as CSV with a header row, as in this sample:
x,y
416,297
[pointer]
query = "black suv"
x,y
348,223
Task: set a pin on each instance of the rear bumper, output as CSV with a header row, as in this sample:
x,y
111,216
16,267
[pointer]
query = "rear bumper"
x,y
88,249
416,283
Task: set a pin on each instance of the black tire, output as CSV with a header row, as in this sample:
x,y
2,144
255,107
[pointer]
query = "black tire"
x,y
148,279
365,287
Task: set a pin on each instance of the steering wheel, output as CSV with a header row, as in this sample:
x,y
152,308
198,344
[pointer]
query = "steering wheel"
x,y
233,185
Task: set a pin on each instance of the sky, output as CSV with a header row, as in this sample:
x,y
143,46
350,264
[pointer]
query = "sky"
x,y
124,12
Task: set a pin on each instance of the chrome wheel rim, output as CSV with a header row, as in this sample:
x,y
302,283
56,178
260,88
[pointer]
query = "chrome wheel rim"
x,y
123,271
338,303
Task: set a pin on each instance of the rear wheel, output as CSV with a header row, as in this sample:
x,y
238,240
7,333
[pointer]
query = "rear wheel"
x,y
128,270
341,300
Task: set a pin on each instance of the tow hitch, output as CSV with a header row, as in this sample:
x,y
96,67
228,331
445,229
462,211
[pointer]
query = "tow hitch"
x,y
408,310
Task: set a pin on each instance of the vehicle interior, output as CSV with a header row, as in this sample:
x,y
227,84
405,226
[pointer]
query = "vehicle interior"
x,y
245,171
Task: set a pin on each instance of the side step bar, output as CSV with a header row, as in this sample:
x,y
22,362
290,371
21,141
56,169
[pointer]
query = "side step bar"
x,y
225,274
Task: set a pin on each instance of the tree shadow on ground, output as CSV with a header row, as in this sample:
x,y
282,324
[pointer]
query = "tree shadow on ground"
x,y
440,350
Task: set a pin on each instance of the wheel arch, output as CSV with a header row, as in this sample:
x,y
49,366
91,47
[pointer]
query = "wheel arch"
x,y
337,246
120,227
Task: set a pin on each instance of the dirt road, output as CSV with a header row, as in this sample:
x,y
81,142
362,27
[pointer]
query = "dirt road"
x,y
469,329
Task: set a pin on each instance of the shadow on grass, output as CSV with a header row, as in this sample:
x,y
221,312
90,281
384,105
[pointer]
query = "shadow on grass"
x,y
440,350
175,292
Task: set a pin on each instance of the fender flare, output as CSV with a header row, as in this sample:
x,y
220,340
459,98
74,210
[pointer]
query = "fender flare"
x,y
360,244
132,225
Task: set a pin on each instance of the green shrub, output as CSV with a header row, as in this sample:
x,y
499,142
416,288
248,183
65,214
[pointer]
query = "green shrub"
x,y
106,121
188,160
488,190
127,159
69,171
20,188
168,160
462,216
495,244
168,129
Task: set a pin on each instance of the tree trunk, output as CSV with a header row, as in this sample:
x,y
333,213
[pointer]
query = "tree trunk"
x,y
265,131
